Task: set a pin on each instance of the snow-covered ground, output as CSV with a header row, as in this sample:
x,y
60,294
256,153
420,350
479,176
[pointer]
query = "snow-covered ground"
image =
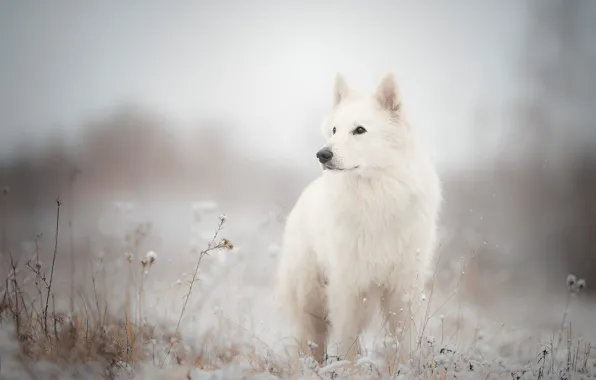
x,y
231,307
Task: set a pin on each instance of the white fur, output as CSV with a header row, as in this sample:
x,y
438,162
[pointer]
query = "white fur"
x,y
361,238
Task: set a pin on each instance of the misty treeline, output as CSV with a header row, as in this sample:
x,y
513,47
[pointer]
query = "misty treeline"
x,y
131,150
528,216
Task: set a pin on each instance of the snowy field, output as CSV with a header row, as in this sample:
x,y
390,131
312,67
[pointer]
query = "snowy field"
x,y
231,328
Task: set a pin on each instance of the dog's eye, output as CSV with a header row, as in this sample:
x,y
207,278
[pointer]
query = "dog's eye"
x,y
359,130
334,130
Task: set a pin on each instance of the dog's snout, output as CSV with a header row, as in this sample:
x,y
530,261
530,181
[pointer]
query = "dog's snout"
x,y
324,155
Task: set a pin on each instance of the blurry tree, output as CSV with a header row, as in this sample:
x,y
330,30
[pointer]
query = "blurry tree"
x,y
559,113
128,148
529,217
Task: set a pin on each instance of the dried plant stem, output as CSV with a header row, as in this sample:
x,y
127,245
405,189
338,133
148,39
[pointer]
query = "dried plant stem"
x,y
45,314
17,313
71,242
141,298
430,297
210,247
563,320
588,348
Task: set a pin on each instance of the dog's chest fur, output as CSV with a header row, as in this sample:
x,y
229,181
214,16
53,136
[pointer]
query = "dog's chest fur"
x,y
367,225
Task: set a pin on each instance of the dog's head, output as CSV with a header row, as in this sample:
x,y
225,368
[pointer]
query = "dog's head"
x,y
364,133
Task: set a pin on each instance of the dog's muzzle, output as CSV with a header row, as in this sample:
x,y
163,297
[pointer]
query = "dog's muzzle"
x,y
324,155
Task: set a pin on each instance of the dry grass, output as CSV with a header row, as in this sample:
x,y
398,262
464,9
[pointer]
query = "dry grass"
x,y
90,333
125,342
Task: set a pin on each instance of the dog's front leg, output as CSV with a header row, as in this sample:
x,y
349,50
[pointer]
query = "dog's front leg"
x,y
348,314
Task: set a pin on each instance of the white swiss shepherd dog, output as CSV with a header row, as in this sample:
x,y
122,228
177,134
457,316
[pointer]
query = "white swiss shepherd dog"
x,y
361,237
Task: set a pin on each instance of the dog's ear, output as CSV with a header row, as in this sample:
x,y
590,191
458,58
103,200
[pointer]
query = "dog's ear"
x,y
387,94
340,89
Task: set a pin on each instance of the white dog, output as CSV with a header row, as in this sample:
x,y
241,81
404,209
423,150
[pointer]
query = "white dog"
x,y
363,234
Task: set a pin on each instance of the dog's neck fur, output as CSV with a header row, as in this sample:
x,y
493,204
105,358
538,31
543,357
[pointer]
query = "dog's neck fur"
x,y
370,190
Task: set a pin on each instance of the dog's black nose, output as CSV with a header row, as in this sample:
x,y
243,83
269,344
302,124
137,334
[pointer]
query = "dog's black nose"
x,y
324,155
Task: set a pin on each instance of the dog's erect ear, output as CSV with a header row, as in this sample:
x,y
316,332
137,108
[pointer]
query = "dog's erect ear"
x,y
340,89
387,94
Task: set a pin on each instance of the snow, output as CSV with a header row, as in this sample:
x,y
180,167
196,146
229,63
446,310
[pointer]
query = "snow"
x,y
232,322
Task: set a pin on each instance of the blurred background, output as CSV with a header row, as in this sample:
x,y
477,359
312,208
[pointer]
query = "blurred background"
x,y
135,111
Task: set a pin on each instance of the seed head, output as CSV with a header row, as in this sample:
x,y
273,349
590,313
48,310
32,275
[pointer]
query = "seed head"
x,y
571,281
151,256
581,284
149,259
227,244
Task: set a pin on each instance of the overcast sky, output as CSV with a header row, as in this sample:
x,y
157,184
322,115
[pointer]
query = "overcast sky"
x,y
267,66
